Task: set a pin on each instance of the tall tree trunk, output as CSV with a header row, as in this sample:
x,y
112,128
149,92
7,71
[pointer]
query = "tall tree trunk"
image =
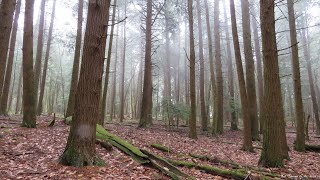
x,y
273,153
7,81
234,121
300,139
114,81
80,148
192,60
45,66
12,87
123,65
259,65
106,80
6,13
250,77
219,78
204,121
76,62
247,143
211,59
310,77
18,102
39,48
29,106
146,108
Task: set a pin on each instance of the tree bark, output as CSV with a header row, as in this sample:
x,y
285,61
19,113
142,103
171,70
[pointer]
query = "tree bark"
x,y
29,106
272,154
76,62
250,77
192,60
247,143
300,138
80,148
39,48
146,108
7,81
45,66
204,120
18,102
6,13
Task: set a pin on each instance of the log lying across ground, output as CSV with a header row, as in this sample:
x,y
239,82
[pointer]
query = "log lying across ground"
x,y
161,147
166,166
312,148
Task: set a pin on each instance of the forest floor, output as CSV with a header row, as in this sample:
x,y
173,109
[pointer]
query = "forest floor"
x,y
33,153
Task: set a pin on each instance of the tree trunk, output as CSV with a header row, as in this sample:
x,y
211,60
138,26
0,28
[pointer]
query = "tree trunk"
x,y
7,81
310,76
123,65
219,78
6,13
192,59
234,121
80,148
18,102
250,77
300,139
106,80
45,66
272,154
259,65
204,120
29,106
247,143
146,108
76,62
39,48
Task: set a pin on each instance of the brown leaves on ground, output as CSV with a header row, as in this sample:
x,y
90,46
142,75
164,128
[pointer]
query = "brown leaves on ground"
x,y
33,153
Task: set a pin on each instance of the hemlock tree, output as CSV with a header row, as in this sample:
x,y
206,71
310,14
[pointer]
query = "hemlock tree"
x,y
300,139
192,120
273,151
6,13
80,148
76,62
29,103
146,109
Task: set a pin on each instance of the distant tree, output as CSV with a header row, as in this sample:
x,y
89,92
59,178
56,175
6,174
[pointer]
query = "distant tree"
x,y
80,148
6,13
146,109
192,59
7,81
273,151
76,62
29,103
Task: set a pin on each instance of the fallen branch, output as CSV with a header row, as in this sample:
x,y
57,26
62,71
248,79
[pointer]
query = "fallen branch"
x,y
312,148
161,147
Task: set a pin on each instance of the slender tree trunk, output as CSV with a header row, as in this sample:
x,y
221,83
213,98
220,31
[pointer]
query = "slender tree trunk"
x,y
106,80
146,108
193,120
76,62
7,81
45,66
12,87
80,148
6,13
18,102
204,121
234,121
219,78
250,77
247,143
259,65
300,139
29,106
39,48
273,153
123,65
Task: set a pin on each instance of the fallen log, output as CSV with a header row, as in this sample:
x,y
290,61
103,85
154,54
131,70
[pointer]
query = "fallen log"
x,y
161,147
105,145
312,148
